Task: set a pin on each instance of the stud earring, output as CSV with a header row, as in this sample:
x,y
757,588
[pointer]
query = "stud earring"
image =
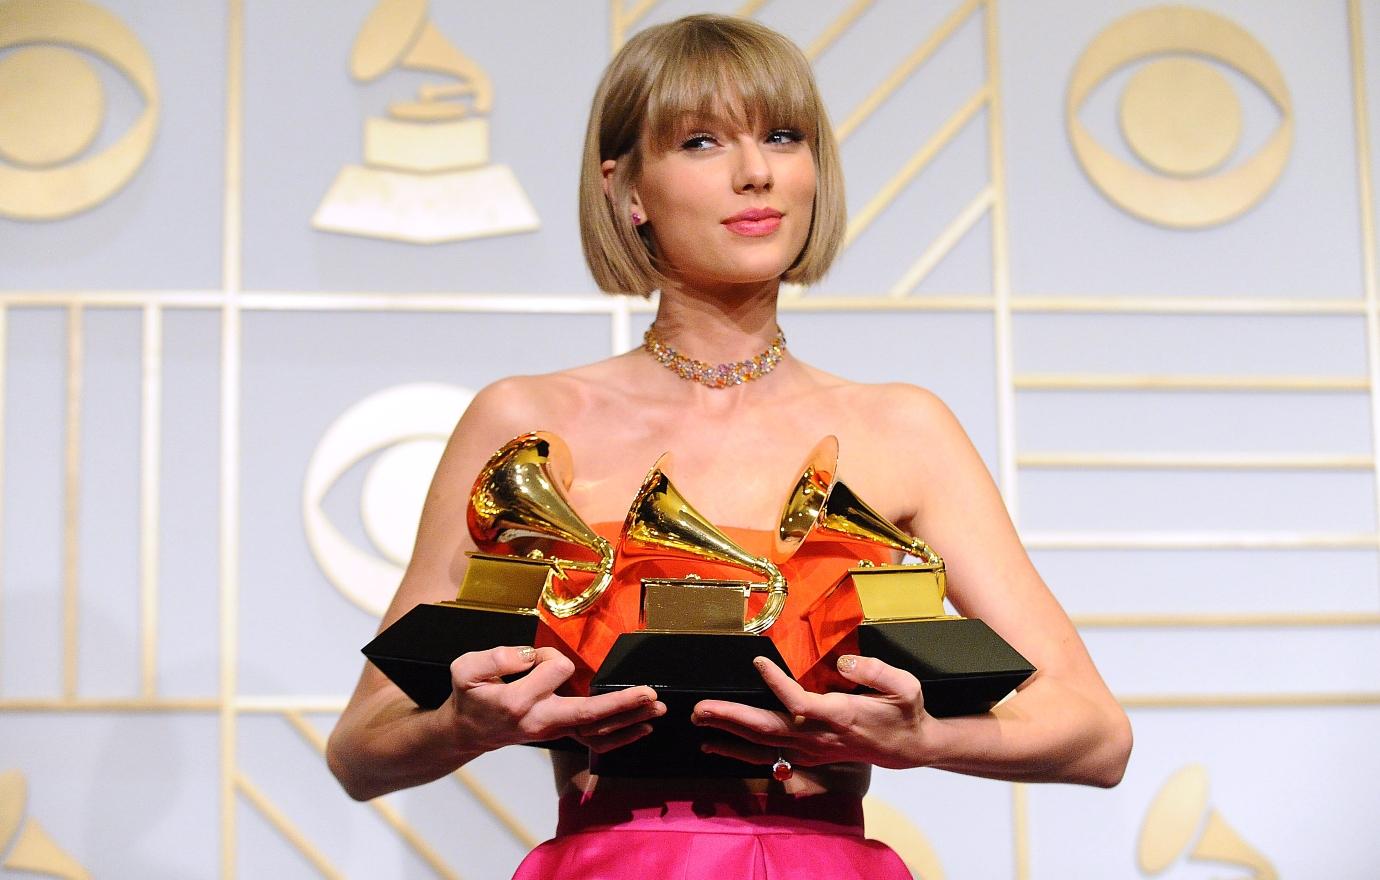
x,y
636,218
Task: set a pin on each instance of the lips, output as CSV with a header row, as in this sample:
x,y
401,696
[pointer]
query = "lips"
x,y
754,222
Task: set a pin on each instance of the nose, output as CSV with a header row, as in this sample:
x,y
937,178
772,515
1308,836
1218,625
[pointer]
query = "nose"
x,y
753,173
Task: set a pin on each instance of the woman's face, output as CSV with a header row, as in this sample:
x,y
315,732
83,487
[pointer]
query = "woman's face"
x,y
728,204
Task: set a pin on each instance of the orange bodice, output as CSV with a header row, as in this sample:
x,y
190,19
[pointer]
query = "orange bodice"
x,y
810,626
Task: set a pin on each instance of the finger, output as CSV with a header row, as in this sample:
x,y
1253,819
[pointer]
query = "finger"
x,y
479,667
795,698
609,742
751,734
881,677
552,670
644,712
717,713
579,713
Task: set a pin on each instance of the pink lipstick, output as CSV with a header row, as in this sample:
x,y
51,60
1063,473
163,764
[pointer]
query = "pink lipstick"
x,y
754,221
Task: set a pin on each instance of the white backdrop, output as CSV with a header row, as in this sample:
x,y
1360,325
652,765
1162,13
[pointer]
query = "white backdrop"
x,y
1181,420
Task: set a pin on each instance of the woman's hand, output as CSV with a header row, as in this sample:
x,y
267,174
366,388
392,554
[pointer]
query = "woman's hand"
x,y
888,728
486,713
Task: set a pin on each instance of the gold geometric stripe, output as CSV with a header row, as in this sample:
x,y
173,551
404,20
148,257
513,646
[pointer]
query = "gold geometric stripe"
x,y
1020,829
1195,461
385,810
575,303
904,70
279,820
71,513
149,461
121,704
836,28
750,8
1102,540
621,19
1165,382
4,357
230,365
1174,621
1247,701
915,164
1187,305
866,303
1369,270
940,247
496,808
485,797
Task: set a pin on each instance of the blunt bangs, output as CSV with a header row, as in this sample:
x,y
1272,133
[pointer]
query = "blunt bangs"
x,y
743,78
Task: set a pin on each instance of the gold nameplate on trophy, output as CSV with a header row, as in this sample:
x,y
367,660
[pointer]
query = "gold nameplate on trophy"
x,y
692,604
504,583
899,592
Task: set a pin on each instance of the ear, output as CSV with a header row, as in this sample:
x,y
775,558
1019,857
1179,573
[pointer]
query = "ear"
x,y
607,169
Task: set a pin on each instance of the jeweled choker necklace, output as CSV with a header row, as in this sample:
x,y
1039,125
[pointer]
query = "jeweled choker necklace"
x,y
715,375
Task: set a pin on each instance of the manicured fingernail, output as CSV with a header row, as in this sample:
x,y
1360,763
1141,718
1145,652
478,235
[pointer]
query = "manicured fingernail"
x,y
760,663
527,653
647,698
847,662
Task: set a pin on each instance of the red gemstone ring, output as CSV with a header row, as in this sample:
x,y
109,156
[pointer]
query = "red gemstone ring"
x,y
781,770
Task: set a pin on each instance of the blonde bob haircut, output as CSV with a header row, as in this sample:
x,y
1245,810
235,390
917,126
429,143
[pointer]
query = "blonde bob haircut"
x,y
698,68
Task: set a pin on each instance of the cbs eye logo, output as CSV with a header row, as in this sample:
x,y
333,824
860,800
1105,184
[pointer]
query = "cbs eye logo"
x,y
52,107
407,426
1180,117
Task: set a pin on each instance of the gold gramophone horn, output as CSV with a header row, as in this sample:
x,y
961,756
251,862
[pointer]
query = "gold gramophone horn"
x,y
520,493
819,500
661,523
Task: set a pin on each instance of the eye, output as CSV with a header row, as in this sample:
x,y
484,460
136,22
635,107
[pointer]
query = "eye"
x,y
1180,117
785,136
54,107
698,142
401,432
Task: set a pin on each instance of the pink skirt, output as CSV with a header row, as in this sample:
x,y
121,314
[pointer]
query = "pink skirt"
x,y
640,835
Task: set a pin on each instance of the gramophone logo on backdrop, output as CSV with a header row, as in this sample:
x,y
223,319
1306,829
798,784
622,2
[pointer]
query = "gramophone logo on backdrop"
x,y
426,177
24,844
52,107
1181,826
1180,117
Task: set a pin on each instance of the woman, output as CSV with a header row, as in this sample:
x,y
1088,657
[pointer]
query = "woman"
x,y
710,174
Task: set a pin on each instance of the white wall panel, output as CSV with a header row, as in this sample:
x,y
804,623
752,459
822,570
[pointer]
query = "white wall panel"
x,y
108,568
1194,421
35,393
1215,581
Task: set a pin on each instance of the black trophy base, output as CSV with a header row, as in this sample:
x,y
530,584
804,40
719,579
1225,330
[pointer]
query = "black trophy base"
x,y
417,650
963,666
684,668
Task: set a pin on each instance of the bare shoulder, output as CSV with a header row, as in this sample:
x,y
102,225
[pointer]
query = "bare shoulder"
x,y
903,407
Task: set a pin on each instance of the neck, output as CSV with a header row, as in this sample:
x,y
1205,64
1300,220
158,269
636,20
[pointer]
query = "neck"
x,y
718,325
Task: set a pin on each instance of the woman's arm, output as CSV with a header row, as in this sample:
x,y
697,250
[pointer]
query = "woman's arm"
x,y
1063,724
383,741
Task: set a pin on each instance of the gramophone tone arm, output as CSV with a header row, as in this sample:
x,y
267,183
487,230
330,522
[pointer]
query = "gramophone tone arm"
x,y
776,590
